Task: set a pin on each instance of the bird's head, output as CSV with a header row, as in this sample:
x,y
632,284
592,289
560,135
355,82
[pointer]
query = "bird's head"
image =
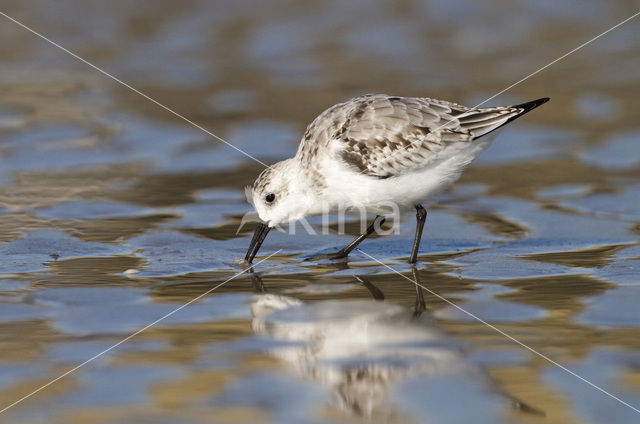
x,y
280,195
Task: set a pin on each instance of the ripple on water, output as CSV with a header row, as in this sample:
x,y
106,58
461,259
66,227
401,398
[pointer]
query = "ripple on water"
x,y
503,262
31,252
85,209
77,351
524,144
423,396
624,268
102,384
605,368
54,146
287,63
620,153
13,285
614,308
11,119
283,391
168,253
199,215
117,310
563,191
621,205
15,372
266,140
599,107
552,224
13,312
232,101
486,305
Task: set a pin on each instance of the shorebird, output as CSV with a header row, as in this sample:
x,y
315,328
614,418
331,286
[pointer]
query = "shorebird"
x,y
372,150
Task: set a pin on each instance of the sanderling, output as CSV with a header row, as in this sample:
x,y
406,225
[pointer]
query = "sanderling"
x,y
373,150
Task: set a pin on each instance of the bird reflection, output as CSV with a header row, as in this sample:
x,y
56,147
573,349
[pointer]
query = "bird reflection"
x,y
356,348
419,305
359,349
256,282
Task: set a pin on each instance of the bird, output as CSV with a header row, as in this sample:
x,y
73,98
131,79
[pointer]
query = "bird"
x,y
372,151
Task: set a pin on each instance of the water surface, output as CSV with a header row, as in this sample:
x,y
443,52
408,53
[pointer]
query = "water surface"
x,y
115,213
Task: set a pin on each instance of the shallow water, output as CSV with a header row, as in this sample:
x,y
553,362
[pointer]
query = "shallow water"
x,y
116,213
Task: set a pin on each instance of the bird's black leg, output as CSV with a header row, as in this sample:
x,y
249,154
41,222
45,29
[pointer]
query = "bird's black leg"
x,y
421,216
376,293
370,229
256,282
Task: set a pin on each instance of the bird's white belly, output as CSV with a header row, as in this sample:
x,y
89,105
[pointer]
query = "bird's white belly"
x,y
387,196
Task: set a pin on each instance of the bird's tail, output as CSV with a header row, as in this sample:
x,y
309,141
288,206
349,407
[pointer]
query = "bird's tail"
x,y
480,122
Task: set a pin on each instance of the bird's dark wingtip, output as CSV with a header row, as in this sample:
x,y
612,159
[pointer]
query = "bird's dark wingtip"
x,y
513,115
527,106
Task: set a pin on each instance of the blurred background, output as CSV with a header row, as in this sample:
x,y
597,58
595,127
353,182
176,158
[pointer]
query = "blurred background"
x,y
115,212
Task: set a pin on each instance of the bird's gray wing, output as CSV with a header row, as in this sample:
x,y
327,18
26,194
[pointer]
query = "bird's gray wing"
x,y
384,136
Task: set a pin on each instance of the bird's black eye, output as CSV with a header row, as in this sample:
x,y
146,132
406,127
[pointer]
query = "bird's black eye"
x,y
270,197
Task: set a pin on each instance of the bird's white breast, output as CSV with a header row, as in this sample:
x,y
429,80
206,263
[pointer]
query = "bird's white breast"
x,y
347,188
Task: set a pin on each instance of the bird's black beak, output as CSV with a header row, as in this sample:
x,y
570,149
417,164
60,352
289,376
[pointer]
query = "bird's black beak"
x,y
258,237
